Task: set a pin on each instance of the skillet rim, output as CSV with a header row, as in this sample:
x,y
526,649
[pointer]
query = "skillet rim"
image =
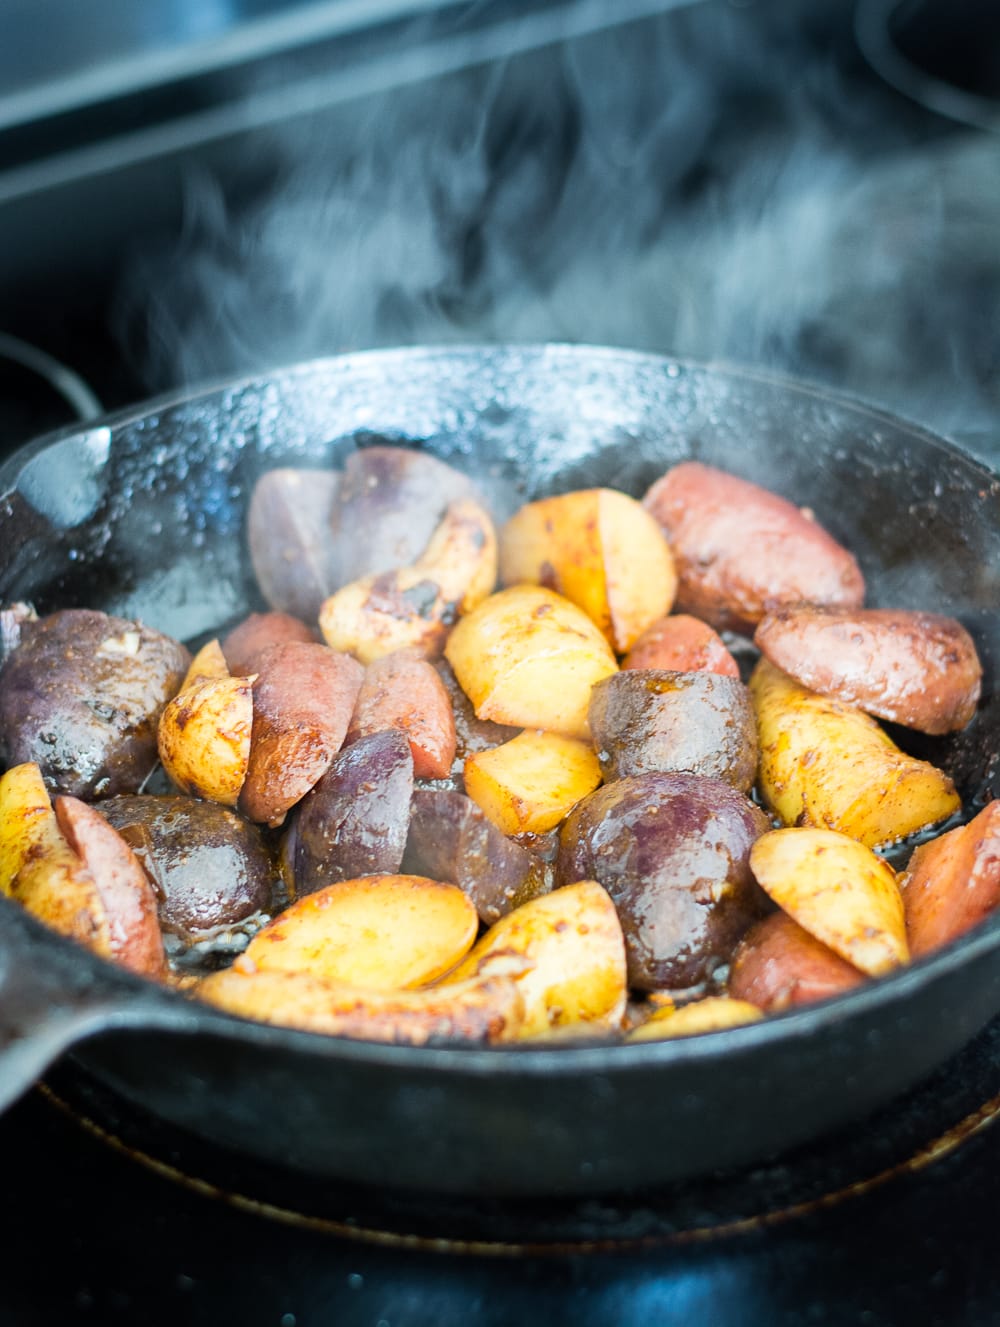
x,y
529,1060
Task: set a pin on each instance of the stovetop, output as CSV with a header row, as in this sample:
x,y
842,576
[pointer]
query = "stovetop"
x,y
798,214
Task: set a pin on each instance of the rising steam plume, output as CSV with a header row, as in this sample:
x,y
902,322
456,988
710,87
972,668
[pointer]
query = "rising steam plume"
x,y
690,185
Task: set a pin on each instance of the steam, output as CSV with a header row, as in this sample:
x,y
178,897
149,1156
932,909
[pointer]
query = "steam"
x,y
607,192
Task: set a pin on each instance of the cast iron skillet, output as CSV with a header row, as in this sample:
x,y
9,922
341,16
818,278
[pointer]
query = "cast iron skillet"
x,y
143,515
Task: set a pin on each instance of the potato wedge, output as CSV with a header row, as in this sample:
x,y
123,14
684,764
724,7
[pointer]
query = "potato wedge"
x,y
741,550
124,889
302,704
406,693
601,550
203,738
779,965
414,607
289,538
917,669
827,764
574,942
208,663
530,784
25,816
838,891
953,883
383,932
528,657
259,632
682,644
483,1010
709,1015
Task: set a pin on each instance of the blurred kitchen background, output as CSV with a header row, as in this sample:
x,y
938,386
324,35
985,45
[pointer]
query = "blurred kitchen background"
x,y
193,188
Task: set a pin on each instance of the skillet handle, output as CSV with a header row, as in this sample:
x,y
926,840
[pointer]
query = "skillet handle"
x,y
53,994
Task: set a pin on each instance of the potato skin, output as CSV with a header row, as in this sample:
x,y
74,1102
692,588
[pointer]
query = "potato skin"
x,y
406,693
82,695
257,633
302,704
355,820
779,965
288,533
124,889
673,851
912,668
742,551
953,883
682,644
397,496
645,720
209,867
452,839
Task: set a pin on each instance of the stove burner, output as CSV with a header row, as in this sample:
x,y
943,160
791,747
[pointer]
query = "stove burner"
x,y
958,1102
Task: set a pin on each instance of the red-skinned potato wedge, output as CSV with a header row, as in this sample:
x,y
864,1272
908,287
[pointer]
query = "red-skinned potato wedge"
x,y
601,550
682,644
382,932
203,738
259,632
953,883
123,886
779,965
529,657
302,704
710,1015
484,1010
291,545
575,951
414,607
406,692
828,764
916,669
838,891
742,551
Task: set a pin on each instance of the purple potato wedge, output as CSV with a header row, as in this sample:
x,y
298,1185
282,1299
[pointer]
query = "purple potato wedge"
x,y
355,820
288,531
210,868
451,839
647,719
672,850
81,696
398,498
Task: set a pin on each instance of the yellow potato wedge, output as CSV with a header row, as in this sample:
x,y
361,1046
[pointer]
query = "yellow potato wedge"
x,y
383,932
204,737
826,764
484,1010
528,657
528,785
414,607
838,891
50,880
710,1015
25,815
573,941
602,550
208,663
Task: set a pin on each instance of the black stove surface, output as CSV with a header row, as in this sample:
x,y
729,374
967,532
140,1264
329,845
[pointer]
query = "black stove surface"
x,y
851,1232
